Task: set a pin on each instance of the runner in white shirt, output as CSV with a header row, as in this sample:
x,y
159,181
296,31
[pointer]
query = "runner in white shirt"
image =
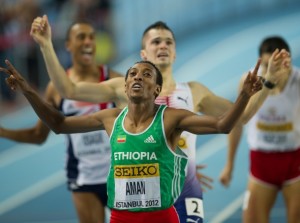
x,y
274,141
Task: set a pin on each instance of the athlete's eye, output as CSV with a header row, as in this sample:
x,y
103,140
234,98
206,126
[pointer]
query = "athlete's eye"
x,y
132,73
169,42
81,37
156,42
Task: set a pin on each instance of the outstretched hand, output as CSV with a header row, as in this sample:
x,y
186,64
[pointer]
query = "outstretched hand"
x,y
14,79
41,30
253,83
204,180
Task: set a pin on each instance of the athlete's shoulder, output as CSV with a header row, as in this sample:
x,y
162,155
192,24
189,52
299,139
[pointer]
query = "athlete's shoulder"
x,y
197,87
196,84
115,74
109,113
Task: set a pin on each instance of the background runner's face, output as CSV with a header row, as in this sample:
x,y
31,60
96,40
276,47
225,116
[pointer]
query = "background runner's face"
x,y
159,47
82,44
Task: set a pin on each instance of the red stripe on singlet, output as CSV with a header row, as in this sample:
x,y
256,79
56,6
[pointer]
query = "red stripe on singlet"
x,y
102,78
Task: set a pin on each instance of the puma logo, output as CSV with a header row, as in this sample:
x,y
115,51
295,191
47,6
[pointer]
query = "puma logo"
x,y
182,99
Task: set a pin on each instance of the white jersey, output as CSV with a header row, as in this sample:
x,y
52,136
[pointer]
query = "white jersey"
x,y
88,154
276,125
182,98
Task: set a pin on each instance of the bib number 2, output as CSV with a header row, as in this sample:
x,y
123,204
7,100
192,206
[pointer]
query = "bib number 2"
x,y
194,206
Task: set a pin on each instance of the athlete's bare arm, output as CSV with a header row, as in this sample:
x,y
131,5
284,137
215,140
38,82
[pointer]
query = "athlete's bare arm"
x,y
37,134
114,74
206,101
56,121
112,90
184,120
278,63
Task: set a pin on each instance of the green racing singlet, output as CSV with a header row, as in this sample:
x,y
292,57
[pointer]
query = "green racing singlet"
x,y
145,174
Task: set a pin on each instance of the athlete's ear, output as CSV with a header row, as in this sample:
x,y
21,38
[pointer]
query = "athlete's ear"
x,y
157,90
143,55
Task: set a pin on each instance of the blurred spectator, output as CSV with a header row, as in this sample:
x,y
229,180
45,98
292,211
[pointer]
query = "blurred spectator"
x,y
15,43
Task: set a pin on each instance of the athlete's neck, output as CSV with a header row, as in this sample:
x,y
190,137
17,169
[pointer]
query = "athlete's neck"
x,y
139,116
169,83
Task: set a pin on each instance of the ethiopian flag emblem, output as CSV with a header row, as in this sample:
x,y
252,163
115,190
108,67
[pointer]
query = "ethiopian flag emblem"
x,y
121,138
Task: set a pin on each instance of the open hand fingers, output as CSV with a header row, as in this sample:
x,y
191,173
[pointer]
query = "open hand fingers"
x,y
255,71
5,71
201,166
275,55
253,74
257,86
14,78
12,70
287,62
279,56
11,82
205,181
205,185
253,83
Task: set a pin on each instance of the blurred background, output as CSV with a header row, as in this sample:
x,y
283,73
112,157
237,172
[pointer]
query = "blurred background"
x,y
217,41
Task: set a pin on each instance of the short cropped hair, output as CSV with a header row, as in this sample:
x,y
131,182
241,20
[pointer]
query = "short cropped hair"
x,y
83,21
156,25
159,79
270,44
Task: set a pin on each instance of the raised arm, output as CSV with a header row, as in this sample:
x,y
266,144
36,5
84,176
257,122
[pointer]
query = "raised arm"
x,y
36,134
278,63
112,90
208,124
52,117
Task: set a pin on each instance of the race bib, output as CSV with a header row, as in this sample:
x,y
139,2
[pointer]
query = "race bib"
x,y
137,186
194,207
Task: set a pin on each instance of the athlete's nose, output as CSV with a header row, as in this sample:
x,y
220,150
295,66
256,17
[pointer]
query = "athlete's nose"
x,y
163,45
138,77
